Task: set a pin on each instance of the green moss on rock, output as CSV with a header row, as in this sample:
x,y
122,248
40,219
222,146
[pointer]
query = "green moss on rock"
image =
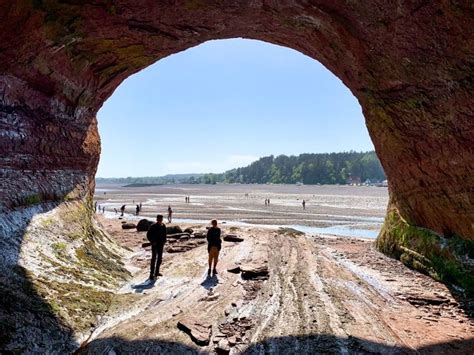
x,y
32,199
289,231
446,259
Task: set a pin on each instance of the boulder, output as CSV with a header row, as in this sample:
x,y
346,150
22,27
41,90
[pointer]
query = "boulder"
x,y
173,230
189,231
254,270
233,238
199,235
199,331
129,226
143,225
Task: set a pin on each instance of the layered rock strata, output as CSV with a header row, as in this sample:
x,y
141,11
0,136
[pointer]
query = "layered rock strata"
x,y
409,64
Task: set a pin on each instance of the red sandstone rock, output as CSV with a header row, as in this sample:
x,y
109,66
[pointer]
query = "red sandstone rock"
x,y
254,270
410,64
200,332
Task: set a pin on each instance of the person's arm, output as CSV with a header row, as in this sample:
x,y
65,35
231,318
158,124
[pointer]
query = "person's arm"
x,y
149,234
164,234
218,233
208,237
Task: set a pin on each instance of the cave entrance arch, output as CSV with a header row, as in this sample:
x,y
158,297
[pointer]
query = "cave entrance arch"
x,y
264,92
409,65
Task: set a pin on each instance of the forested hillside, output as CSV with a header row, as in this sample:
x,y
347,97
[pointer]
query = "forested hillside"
x,y
323,168
326,168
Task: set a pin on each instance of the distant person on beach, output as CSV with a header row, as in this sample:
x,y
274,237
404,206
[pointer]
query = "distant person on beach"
x,y
266,202
95,206
137,210
157,236
214,244
103,209
185,199
115,210
304,204
170,214
122,209
140,206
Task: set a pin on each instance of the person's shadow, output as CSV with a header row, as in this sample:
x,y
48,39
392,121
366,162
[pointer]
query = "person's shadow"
x,y
146,285
210,282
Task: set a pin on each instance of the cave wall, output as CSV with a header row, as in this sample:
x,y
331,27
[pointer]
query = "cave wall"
x,y
410,64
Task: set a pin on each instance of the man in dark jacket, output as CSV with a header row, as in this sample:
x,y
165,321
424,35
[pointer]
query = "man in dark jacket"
x,y
157,236
214,244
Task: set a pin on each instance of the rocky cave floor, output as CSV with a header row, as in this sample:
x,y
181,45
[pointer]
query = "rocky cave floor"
x,y
294,293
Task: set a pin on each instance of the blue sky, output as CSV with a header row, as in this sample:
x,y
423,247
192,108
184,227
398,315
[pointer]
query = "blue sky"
x,y
223,104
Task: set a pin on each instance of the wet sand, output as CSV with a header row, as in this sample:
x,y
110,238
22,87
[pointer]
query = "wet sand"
x,y
340,210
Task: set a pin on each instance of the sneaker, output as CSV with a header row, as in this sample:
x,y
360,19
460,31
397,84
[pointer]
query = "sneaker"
x,y
158,274
215,272
209,272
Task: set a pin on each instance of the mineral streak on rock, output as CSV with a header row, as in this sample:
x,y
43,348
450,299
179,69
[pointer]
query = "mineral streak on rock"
x,y
410,65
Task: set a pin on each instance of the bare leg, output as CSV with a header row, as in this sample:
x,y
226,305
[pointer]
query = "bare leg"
x,y
216,259
210,260
210,263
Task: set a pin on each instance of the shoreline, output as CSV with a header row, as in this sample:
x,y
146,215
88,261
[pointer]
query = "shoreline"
x,y
336,210
339,232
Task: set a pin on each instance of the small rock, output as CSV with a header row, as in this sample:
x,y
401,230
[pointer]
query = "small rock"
x,y
233,238
232,340
129,226
223,347
254,270
200,332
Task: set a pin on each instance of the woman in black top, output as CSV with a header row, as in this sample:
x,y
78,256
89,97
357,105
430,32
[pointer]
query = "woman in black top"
x,y
213,246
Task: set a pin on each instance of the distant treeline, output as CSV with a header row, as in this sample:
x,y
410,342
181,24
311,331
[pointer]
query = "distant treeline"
x,y
151,180
326,168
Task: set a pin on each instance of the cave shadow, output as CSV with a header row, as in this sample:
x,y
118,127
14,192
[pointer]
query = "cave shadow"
x,y
300,344
210,282
465,302
24,314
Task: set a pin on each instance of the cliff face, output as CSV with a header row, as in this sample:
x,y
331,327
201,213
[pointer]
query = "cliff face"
x,y
410,65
